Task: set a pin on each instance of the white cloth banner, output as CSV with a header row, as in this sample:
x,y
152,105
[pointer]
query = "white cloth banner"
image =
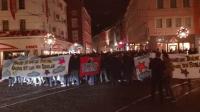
x,y
35,66
185,66
142,67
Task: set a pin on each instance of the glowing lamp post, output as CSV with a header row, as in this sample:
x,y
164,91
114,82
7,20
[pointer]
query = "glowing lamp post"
x,y
183,32
50,40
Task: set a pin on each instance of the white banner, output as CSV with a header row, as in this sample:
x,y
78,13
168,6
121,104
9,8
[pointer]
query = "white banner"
x,y
185,66
35,66
142,67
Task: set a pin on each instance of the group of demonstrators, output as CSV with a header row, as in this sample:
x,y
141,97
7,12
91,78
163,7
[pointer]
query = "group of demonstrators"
x,y
92,68
114,68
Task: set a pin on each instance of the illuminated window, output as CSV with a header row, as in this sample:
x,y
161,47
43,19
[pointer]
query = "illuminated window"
x,y
21,4
168,23
160,4
186,3
4,5
5,25
178,22
159,23
173,4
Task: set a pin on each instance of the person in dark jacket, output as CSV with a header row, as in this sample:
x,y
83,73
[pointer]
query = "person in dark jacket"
x,y
168,76
157,68
115,68
74,66
103,69
128,65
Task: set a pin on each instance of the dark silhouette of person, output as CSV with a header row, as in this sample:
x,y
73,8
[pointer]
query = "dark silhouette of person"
x,y
157,68
168,76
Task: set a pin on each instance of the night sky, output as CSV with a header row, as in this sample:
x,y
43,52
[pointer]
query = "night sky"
x,y
105,13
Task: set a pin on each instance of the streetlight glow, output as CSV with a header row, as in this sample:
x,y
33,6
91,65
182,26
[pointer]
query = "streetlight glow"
x,y
50,40
120,42
182,32
75,44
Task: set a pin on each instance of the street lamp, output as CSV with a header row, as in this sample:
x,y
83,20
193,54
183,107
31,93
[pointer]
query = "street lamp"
x,y
50,40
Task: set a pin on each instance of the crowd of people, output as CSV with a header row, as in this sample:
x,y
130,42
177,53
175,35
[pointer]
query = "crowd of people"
x,y
115,68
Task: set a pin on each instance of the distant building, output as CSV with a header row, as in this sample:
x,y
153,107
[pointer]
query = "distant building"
x,y
111,39
154,23
79,25
24,23
102,41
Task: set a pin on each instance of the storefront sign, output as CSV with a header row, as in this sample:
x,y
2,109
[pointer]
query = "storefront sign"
x,y
35,66
89,66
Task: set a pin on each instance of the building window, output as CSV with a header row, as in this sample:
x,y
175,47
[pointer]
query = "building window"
x,y
186,3
5,25
169,23
54,15
159,23
188,22
160,4
54,29
62,33
22,25
173,4
74,13
75,35
4,5
21,4
74,23
178,22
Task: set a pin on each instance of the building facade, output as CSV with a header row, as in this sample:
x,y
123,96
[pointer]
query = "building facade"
x,y
79,27
24,24
154,23
111,39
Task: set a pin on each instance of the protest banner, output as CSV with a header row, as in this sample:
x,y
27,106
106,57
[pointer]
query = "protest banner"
x,y
142,67
186,66
89,66
35,66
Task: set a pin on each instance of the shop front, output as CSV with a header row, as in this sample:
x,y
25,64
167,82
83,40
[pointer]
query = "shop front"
x,y
173,43
28,46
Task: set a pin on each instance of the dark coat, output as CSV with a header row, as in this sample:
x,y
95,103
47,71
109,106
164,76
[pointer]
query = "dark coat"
x,y
157,68
74,63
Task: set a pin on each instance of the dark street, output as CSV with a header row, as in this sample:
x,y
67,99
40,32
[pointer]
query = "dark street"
x,y
99,98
